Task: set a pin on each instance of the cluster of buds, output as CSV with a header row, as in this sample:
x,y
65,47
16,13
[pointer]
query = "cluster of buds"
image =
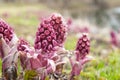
x,y
51,33
6,31
83,47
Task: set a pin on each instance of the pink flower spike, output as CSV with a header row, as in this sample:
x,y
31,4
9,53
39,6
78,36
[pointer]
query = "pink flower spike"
x,y
83,47
6,31
52,33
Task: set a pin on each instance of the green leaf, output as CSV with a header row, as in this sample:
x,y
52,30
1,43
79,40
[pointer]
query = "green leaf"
x,y
30,74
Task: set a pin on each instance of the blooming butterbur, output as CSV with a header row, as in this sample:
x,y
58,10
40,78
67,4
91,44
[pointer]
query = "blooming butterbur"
x,y
83,47
51,33
81,52
48,55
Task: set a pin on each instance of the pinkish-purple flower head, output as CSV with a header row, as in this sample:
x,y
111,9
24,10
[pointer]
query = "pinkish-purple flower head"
x,y
51,33
6,31
83,47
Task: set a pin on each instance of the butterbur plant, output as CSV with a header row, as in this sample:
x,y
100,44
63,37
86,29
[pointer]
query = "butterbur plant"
x,y
82,47
81,52
46,59
8,51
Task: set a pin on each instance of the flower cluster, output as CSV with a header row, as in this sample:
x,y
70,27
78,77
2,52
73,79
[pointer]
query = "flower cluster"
x,y
6,31
51,33
83,46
